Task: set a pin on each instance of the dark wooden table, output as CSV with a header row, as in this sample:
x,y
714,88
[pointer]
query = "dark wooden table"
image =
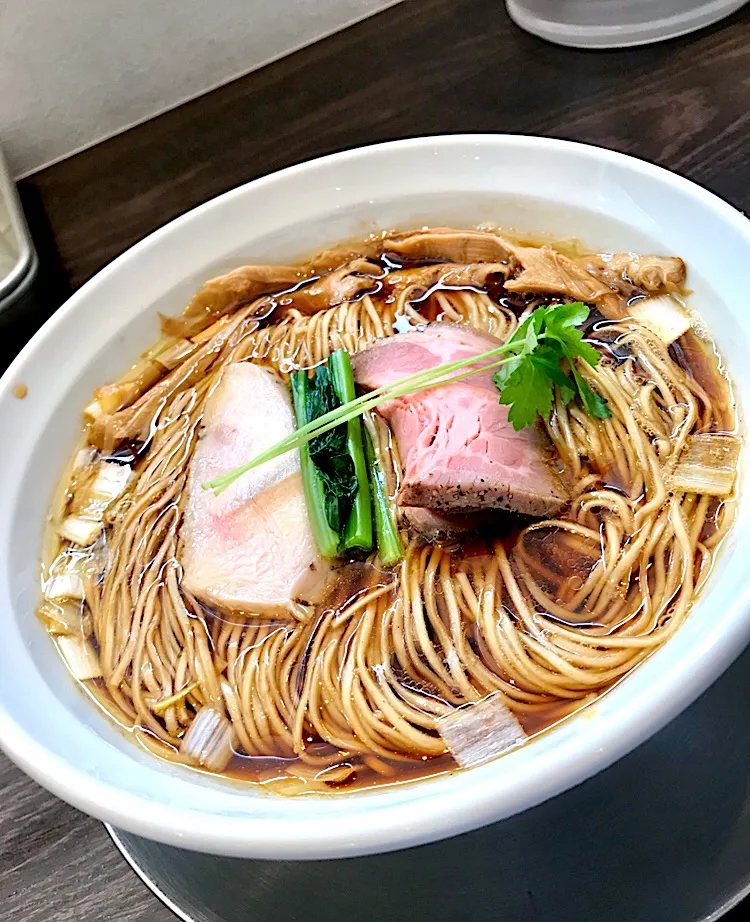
x,y
424,67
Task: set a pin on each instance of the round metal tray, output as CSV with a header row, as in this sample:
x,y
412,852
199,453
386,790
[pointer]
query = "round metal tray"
x,y
664,835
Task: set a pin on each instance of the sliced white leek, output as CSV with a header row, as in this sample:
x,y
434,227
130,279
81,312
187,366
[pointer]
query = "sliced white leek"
x,y
110,482
208,741
479,732
93,411
64,586
62,618
83,458
109,400
663,315
92,501
80,530
80,657
707,465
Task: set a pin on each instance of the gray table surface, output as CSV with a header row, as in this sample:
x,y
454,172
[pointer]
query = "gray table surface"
x,y
57,865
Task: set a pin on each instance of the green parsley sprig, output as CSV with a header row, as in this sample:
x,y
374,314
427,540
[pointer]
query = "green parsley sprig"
x,y
538,357
545,347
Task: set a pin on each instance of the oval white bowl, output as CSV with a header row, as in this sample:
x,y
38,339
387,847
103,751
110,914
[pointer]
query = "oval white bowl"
x,y
610,201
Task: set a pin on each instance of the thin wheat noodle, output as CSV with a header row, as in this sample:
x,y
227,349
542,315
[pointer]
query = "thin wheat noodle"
x,y
359,687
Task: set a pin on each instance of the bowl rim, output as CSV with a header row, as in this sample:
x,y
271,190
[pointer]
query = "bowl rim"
x,y
389,826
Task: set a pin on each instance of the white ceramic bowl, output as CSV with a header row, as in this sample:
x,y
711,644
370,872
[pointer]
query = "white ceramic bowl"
x,y
614,202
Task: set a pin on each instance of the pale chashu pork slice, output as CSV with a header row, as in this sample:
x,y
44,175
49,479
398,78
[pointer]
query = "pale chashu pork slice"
x,y
249,549
459,452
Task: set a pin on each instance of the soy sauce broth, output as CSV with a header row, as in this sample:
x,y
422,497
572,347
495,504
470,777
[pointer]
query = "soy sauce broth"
x,y
559,565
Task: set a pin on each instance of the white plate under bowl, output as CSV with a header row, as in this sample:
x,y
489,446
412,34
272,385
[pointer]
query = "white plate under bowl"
x,y
610,201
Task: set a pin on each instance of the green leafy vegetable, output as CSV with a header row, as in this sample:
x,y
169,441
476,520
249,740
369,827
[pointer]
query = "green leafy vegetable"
x,y
390,549
523,342
548,360
329,452
594,404
325,537
528,392
545,348
357,533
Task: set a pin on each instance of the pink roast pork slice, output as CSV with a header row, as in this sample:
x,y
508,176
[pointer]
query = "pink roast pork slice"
x,y
249,549
460,454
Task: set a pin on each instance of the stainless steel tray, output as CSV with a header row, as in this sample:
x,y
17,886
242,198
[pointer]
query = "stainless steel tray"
x,y
21,310
17,257
661,836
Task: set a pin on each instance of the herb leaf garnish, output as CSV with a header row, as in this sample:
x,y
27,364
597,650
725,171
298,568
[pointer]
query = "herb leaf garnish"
x,y
545,347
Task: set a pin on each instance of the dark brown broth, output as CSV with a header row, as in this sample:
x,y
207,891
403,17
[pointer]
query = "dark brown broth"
x,y
699,359
264,770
